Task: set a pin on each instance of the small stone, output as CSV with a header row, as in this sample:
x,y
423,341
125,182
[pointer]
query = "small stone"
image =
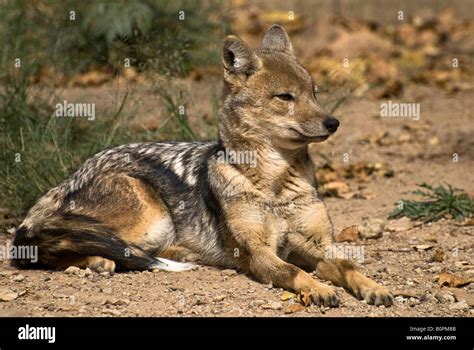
x,y
219,298
64,292
460,264
113,312
440,298
449,298
228,272
371,228
399,299
435,269
406,294
272,306
72,270
18,278
88,272
401,225
7,295
460,305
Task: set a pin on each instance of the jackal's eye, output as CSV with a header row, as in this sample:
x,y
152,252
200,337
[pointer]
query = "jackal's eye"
x,y
285,97
315,90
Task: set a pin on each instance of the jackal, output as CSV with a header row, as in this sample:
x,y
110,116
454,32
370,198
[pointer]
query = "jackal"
x,y
125,206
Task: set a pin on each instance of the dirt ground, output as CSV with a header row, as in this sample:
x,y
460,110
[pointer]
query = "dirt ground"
x,y
416,152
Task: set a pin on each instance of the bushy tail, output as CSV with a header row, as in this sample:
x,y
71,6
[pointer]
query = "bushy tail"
x,y
74,236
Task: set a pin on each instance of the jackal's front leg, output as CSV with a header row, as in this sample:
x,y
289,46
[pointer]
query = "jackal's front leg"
x,y
311,241
252,235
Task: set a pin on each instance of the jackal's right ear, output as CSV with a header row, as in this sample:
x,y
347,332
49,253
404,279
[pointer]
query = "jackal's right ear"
x,y
238,58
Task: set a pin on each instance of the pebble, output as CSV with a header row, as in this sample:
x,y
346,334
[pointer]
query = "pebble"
x,y
219,298
256,303
440,298
18,278
449,298
276,305
228,272
72,270
7,295
460,305
435,269
371,228
423,298
113,312
399,299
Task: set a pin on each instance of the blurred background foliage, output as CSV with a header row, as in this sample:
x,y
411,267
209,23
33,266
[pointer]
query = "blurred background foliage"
x,y
67,37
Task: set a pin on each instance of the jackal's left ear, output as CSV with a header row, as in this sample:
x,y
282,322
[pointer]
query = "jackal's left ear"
x,y
238,58
276,39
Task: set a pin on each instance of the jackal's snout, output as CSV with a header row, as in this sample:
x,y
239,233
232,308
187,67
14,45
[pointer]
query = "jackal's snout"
x,y
331,124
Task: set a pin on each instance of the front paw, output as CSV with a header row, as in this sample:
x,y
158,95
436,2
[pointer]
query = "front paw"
x,y
321,295
375,294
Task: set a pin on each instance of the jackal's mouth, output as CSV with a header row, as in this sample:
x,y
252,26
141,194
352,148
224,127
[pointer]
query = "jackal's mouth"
x,y
309,138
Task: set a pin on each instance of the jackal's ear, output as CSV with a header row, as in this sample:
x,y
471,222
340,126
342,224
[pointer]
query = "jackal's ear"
x,y
276,39
238,58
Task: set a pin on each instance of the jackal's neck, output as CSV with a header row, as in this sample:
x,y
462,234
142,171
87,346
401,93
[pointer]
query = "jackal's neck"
x,y
257,158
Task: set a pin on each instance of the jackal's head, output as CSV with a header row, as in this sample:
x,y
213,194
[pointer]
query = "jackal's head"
x,y
268,95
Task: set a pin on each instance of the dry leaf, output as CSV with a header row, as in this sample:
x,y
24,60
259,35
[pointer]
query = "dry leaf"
x,y
447,279
336,187
430,238
348,234
438,256
287,296
468,222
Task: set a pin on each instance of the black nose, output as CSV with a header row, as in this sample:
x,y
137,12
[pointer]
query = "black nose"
x,y
331,124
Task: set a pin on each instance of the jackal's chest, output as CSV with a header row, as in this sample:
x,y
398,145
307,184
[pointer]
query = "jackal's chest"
x,y
282,218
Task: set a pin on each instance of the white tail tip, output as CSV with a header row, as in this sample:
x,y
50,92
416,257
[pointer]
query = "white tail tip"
x,y
170,265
